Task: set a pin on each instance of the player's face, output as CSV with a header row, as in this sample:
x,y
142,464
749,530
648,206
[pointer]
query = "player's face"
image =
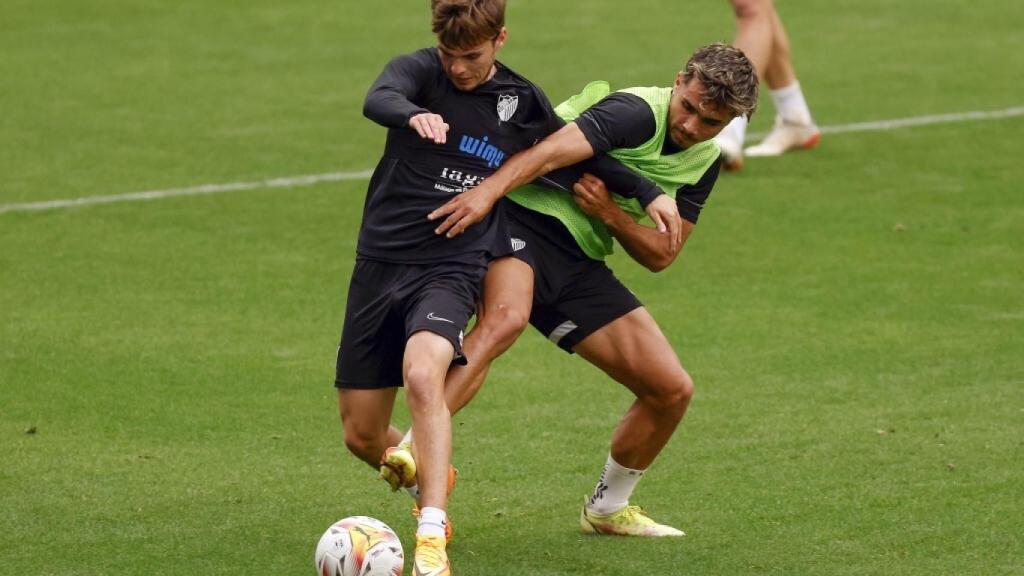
x,y
690,120
471,67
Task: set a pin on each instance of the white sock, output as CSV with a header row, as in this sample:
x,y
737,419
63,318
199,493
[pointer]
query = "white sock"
x,y
735,131
432,522
407,439
790,104
614,488
414,491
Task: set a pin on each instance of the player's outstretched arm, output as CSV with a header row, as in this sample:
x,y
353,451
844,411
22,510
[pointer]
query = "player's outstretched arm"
x,y
566,146
653,249
391,100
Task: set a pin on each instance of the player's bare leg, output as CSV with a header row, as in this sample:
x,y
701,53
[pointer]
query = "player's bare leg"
x,y
762,37
426,361
366,421
633,351
754,28
778,69
502,316
754,38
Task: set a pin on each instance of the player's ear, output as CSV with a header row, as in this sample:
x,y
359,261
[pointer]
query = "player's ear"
x,y
500,40
679,79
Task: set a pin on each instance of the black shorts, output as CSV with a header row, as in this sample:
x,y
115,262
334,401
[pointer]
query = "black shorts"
x,y
388,302
573,294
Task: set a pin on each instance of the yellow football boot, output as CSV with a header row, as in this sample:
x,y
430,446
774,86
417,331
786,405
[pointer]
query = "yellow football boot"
x,y
630,521
430,558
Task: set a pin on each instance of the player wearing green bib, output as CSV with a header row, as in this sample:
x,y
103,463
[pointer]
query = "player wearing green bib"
x,y
557,277
670,171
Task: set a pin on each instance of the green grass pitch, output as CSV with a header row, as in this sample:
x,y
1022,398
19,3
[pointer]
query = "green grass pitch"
x,y
853,316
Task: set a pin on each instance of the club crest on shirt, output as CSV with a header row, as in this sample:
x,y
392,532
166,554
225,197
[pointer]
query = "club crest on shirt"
x,y
507,104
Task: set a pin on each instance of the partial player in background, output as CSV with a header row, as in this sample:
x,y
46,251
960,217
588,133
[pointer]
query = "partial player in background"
x,y
571,296
760,35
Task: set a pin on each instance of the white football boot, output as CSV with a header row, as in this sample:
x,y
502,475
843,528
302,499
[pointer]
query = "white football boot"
x,y
785,136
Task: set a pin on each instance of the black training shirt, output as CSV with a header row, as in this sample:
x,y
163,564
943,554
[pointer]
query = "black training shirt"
x,y
415,176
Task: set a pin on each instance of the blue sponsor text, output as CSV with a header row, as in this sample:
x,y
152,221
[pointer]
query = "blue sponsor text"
x,y
482,149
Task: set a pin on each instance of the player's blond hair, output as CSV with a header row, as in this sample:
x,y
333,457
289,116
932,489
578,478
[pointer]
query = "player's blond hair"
x,y
729,78
464,24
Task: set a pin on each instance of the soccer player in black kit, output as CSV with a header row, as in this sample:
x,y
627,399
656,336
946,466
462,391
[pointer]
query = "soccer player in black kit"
x,y
454,114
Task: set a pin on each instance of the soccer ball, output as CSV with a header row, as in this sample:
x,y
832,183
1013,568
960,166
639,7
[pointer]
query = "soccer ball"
x,y
359,546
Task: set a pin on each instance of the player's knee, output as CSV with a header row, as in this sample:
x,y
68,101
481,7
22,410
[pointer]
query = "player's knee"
x,y
685,389
360,441
750,9
503,324
674,394
423,386
511,323
355,444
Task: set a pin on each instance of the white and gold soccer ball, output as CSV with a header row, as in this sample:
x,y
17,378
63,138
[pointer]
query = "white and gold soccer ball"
x,y
359,546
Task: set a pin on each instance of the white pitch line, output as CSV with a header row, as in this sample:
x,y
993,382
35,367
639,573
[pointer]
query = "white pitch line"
x,y
916,121
290,182
297,181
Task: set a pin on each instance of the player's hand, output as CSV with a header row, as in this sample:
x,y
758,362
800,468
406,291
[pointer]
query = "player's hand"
x,y
430,127
464,210
593,197
664,211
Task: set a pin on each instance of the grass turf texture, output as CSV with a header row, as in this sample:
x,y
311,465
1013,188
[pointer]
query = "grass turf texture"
x,y
852,316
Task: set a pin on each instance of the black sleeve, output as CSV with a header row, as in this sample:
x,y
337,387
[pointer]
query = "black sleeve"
x,y
621,180
620,120
691,197
554,121
390,100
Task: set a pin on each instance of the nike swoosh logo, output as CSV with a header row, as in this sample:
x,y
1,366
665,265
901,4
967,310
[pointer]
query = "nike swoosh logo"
x,y
432,317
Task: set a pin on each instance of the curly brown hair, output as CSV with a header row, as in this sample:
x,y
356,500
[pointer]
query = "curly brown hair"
x,y
729,78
